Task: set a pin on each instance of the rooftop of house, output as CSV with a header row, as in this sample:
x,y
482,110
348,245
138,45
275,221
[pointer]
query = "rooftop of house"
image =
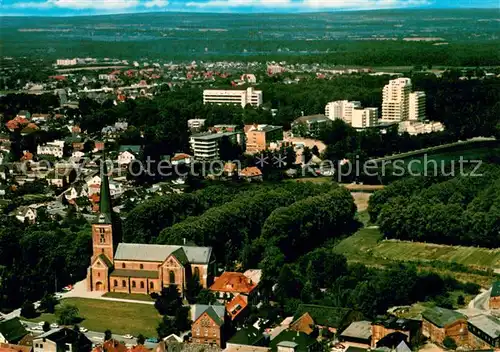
x,y
487,324
441,316
358,329
159,252
495,289
247,336
302,341
64,335
207,136
6,347
180,156
215,312
324,315
312,118
130,148
12,330
262,128
233,282
395,323
305,323
236,306
251,171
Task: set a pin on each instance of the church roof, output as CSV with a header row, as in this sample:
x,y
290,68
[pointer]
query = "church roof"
x,y
160,252
105,212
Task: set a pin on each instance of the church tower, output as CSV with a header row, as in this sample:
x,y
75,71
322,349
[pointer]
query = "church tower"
x,y
104,236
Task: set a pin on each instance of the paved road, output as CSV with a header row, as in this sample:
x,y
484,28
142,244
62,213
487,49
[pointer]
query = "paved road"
x,y
481,301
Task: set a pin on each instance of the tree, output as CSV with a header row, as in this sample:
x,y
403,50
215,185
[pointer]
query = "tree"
x,y
107,335
141,339
182,321
48,303
46,326
166,327
449,343
68,314
205,297
28,310
168,301
460,300
193,288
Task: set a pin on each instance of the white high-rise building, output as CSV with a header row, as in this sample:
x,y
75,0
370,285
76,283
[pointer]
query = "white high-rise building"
x,y
341,109
66,62
417,106
396,100
230,96
363,118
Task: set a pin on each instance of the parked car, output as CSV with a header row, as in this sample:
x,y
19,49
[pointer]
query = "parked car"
x,y
82,329
128,336
37,328
152,340
54,326
41,323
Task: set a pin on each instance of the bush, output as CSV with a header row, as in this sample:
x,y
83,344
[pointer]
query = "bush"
x,y
28,310
449,343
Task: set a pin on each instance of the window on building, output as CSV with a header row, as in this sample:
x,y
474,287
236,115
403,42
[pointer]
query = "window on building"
x,y
102,250
101,230
133,283
98,274
142,284
124,283
151,285
115,283
123,265
141,266
102,239
172,277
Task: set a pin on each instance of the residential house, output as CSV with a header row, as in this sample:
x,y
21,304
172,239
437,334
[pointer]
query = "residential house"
x,y
439,323
55,148
259,137
127,154
334,319
245,337
26,214
390,331
62,339
181,158
310,126
237,290
294,341
486,329
495,295
208,324
111,345
251,173
12,331
359,332
196,123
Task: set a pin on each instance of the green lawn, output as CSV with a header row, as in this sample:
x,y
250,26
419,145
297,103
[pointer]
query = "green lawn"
x,y
368,247
131,296
119,317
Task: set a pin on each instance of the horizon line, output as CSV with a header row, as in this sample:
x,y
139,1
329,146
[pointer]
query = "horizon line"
x,y
298,12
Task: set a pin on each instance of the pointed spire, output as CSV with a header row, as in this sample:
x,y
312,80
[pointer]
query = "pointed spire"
x,y
105,210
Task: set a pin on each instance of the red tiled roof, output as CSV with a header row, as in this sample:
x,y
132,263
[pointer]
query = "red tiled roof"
x,y
251,171
232,306
180,156
233,282
139,348
114,346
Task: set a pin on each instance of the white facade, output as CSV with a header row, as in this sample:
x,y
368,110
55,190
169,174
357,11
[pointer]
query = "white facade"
x,y
396,100
363,118
66,62
125,158
206,146
341,109
417,106
417,127
236,97
55,148
196,123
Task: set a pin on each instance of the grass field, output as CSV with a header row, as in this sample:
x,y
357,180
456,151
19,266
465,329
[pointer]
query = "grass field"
x,y
131,296
368,247
121,318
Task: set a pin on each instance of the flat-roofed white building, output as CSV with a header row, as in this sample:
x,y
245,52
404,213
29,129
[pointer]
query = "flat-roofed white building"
x,y
364,118
66,62
396,100
233,96
205,146
417,106
55,148
341,109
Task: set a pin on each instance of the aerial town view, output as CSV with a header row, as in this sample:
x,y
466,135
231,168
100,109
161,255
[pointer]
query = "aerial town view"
x,y
249,175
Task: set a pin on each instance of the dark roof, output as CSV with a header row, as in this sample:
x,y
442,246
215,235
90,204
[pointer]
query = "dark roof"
x,y
312,118
135,273
302,340
495,289
131,148
249,336
65,335
106,260
105,212
12,330
441,316
214,316
180,255
324,315
395,323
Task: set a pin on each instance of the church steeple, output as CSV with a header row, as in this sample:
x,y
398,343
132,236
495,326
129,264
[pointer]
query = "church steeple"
x,y
105,210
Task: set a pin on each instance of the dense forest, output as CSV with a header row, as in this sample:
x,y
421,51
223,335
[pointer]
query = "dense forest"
x,y
463,210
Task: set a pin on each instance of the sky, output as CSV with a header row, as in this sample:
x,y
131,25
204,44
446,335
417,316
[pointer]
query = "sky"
x,y
97,7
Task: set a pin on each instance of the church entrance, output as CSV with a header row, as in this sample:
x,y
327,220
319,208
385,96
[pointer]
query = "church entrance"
x,y
99,286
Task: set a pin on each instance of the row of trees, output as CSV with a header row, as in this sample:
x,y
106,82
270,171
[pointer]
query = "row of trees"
x,y
461,211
